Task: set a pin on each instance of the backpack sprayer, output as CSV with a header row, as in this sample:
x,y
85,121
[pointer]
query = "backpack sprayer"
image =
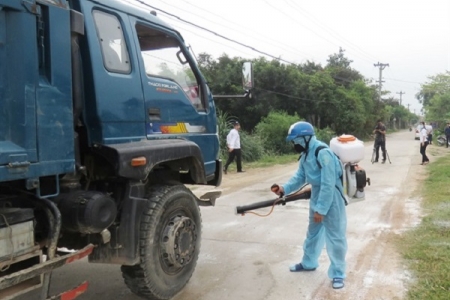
x,y
350,151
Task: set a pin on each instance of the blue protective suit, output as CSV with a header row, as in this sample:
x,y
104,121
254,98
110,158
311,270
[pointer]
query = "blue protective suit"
x,y
327,200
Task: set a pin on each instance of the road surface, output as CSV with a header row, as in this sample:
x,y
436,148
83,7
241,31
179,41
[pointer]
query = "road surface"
x,y
247,257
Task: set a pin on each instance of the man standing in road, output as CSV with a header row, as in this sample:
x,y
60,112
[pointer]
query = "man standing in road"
x,y
447,134
327,215
380,140
234,148
424,144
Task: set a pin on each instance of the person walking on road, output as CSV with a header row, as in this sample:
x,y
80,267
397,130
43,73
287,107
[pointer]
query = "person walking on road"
x,y
447,134
234,148
327,215
380,140
424,144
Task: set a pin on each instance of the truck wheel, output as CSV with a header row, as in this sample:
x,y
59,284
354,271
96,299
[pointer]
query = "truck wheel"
x,y
169,245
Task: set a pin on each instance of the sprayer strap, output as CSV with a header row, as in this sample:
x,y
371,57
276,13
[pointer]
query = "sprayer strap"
x,y
317,154
341,177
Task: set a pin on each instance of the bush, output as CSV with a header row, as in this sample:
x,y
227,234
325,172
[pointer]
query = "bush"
x,y
252,147
224,122
325,135
273,129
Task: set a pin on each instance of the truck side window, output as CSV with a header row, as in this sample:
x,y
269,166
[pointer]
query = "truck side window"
x,y
112,42
164,58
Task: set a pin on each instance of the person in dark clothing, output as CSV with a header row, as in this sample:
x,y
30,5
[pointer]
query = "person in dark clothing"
x,y
430,134
380,140
447,134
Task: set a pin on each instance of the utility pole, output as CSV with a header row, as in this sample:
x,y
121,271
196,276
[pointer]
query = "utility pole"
x,y
401,93
409,120
380,81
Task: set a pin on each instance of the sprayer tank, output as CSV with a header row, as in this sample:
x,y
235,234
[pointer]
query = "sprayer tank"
x,y
348,148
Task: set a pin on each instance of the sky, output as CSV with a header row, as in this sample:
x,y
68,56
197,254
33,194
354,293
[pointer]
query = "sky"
x,y
412,36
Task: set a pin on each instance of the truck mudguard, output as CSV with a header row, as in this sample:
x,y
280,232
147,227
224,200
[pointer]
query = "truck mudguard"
x,y
155,151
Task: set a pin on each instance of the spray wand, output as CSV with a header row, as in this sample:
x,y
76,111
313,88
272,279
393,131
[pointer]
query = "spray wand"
x,y
302,194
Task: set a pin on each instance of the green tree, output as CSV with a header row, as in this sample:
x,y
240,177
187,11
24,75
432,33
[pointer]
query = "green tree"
x,y
438,85
435,97
335,97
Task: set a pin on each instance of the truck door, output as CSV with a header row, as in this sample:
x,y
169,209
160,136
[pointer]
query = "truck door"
x,y
114,108
176,100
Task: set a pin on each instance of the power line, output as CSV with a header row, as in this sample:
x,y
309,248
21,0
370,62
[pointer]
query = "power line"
x,y
178,19
301,10
303,25
277,44
414,82
215,33
204,37
293,97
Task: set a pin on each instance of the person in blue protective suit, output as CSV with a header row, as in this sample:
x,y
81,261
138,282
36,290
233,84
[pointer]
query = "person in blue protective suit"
x,y
327,215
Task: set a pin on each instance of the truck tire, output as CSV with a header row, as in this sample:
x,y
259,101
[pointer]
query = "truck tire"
x,y
170,235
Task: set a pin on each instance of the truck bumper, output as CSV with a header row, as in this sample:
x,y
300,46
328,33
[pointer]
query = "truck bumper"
x,y
17,283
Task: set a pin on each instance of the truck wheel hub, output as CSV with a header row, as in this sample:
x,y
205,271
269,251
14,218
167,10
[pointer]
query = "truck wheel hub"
x,y
179,241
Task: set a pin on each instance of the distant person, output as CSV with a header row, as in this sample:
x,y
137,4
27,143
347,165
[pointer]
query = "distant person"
x,y
430,134
424,143
234,148
447,134
380,140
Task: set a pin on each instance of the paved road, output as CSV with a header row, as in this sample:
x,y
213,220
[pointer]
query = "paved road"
x,y
247,257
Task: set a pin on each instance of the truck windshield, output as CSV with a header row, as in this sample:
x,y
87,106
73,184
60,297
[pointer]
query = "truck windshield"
x,y
164,58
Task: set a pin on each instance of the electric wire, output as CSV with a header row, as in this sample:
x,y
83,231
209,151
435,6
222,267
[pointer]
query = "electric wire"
x,y
301,10
180,25
258,36
215,33
303,25
181,20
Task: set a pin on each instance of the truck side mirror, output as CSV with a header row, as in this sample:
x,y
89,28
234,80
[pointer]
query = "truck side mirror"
x,y
247,83
247,77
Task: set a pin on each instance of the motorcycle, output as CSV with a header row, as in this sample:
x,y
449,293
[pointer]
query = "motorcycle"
x,y
442,140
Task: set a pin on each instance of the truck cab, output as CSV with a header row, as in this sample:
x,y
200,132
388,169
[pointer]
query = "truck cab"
x,y
105,118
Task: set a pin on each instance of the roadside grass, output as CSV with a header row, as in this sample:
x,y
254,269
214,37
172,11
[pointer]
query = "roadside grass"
x,y
426,248
265,161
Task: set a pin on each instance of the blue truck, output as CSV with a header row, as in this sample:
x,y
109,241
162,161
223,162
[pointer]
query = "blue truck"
x,y
105,118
